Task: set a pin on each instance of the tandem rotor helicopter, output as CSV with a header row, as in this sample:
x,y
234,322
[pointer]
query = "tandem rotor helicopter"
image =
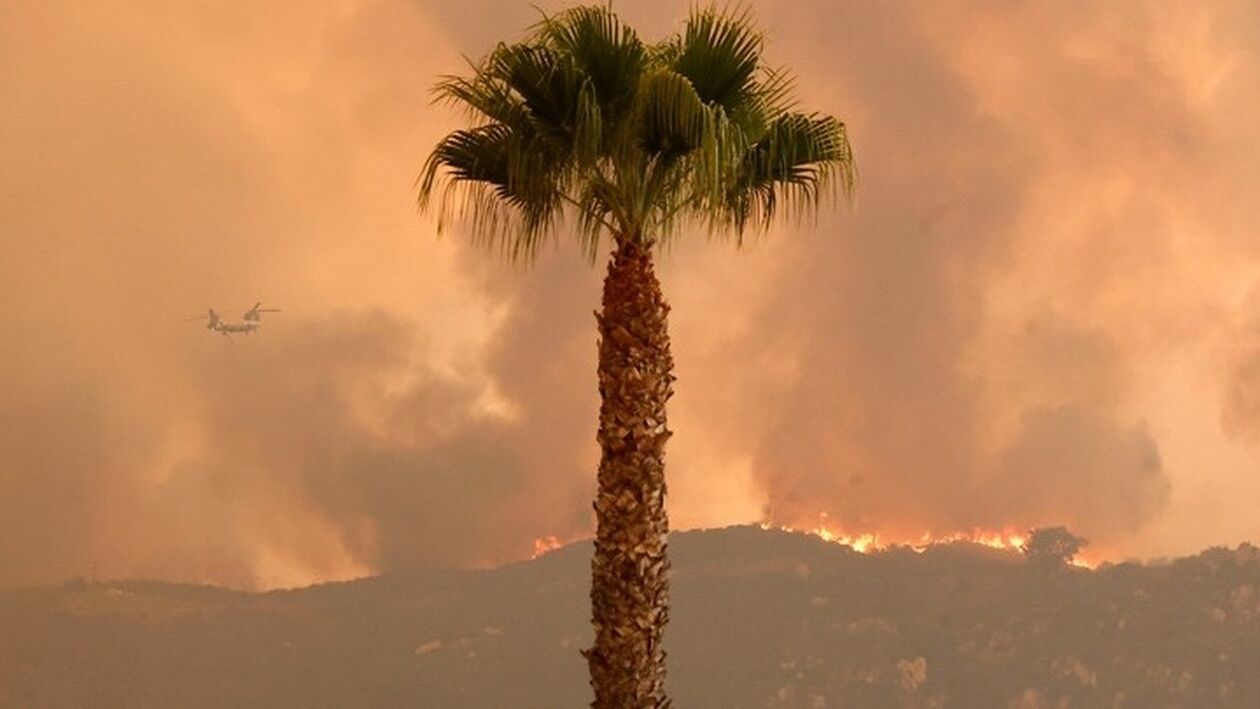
x,y
250,321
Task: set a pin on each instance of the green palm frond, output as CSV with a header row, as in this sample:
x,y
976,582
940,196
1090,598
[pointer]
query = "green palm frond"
x,y
801,161
605,51
598,205
673,116
546,82
498,181
769,97
483,97
719,52
479,154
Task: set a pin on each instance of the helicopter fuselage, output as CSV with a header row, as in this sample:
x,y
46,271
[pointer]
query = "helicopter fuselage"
x,y
227,327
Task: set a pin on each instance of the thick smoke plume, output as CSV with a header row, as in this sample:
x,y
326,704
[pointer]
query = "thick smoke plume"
x,y
1039,311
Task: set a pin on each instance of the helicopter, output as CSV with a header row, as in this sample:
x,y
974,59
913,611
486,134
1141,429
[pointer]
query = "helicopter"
x,y
250,322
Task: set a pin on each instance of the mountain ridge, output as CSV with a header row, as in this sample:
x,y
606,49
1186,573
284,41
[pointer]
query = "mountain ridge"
x,y
759,618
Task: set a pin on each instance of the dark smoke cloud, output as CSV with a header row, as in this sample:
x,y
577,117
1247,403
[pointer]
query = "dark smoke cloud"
x,y
1240,412
969,344
419,474
1241,415
167,160
1023,320
1071,464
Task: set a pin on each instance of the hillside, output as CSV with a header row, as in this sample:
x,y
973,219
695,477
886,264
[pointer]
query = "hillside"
x,y
760,618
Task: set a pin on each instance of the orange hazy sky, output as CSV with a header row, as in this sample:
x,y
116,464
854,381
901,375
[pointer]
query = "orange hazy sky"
x,y
1042,307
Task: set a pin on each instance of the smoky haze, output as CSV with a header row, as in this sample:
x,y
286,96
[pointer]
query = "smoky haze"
x,y
1041,308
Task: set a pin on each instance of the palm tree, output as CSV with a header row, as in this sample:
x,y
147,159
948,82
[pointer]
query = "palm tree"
x,y
583,122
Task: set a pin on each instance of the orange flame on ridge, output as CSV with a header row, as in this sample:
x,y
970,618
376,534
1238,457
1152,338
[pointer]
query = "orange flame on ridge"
x,y
1007,539
543,545
870,542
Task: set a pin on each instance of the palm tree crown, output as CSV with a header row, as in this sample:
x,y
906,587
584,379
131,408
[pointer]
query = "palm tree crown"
x,y
583,118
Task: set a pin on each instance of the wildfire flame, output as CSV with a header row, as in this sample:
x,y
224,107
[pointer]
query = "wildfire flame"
x,y
869,542
543,545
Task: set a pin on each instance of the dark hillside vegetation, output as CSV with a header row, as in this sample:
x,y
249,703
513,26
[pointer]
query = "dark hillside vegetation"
x,y
761,618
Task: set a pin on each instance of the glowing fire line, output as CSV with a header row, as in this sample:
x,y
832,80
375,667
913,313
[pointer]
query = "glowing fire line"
x,y
543,545
868,543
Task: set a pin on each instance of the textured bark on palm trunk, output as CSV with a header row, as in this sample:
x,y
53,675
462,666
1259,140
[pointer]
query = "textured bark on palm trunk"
x,y
629,584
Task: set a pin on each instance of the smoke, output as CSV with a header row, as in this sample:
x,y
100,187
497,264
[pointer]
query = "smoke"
x,y
1072,464
1036,312
163,160
1016,325
1241,415
1240,411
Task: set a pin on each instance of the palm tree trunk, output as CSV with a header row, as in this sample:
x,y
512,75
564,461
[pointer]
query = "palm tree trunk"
x,y
629,584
